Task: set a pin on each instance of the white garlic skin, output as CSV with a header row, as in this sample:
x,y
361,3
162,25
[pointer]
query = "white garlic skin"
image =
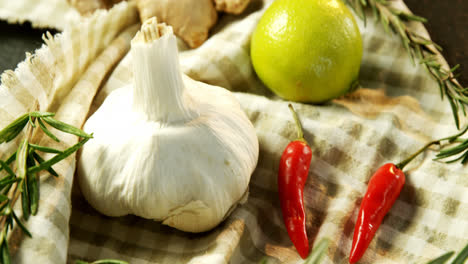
x,y
188,172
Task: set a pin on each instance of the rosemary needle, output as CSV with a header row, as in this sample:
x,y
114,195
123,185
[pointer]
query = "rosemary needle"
x,y
102,261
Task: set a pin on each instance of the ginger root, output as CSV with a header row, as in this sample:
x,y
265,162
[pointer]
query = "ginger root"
x,y
231,6
87,7
190,19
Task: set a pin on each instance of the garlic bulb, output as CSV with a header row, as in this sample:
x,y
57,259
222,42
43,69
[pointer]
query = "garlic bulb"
x,y
167,147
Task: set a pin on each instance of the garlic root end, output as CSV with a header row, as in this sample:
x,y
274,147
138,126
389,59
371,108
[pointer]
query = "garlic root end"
x,y
151,31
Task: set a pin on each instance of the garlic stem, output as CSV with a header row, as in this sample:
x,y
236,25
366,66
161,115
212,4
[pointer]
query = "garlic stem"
x,y
159,88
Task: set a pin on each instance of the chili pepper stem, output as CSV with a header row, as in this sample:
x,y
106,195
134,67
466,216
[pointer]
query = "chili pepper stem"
x,y
405,162
300,133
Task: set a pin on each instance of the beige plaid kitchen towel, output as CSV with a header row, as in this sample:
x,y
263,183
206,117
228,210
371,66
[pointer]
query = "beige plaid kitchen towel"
x,y
41,13
396,112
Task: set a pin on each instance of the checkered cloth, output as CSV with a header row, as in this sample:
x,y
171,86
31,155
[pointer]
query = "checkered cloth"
x,y
41,13
396,112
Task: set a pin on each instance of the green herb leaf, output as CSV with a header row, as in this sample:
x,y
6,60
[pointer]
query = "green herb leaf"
x,y
9,221
442,259
30,160
455,68
20,224
21,159
46,130
3,198
110,261
318,252
9,161
6,189
102,261
465,158
25,190
412,17
5,252
40,160
447,152
5,166
454,107
31,121
44,149
461,157
385,23
25,200
11,158
66,127
2,208
39,114
57,158
13,129
462,256
33,188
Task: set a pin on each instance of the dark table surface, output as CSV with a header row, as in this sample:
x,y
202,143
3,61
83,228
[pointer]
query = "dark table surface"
x,y
448,26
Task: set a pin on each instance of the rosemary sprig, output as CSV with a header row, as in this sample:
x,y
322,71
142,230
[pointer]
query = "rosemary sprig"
x,y
418,47
20,178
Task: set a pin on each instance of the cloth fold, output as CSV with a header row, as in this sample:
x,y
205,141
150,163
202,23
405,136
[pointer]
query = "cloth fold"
x,y
395,112
61,77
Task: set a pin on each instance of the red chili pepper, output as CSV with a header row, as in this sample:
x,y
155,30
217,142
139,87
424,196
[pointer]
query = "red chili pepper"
x,y
292,175
383,189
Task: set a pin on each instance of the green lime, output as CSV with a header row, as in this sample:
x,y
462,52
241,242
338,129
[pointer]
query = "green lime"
x,y
307,50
